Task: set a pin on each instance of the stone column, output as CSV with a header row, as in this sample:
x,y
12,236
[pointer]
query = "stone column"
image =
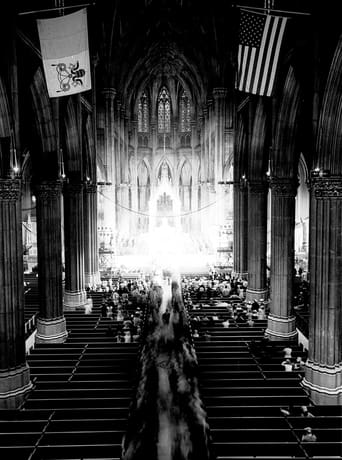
x,y
111,162
211,137
240,222
323,374
281,321
51,327
91,255
75,295
220,111
257,227
14,372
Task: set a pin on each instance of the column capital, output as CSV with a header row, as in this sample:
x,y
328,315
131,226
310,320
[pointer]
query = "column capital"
x,y
220,92
327,187
48,189
74,188
90,188
109,93
257,186
10,189
284,186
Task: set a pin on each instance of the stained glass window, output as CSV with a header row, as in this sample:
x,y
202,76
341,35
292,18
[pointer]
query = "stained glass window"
x,y
164,111
185,113
143,119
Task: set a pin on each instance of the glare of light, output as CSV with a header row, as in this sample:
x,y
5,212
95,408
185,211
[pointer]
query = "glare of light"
x,y
15,169
33,198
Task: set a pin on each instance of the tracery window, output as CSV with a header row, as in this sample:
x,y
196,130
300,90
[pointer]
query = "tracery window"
x,y
143,112
185,113
164,111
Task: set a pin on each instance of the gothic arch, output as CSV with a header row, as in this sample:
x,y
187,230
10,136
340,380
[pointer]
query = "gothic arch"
x,y
284,159
185,177
46,157
5,131
72,156
240,149
43,113
164,159
329,139
143,173
5,124
89,150
258,149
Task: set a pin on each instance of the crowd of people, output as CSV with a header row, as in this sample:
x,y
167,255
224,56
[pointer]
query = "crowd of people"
x,y
167,415
167,418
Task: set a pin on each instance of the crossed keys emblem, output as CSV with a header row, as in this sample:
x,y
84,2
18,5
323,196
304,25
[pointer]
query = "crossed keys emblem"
x,y
68,76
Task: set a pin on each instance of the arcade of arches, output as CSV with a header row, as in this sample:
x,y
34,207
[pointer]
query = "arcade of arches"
x,y
163,162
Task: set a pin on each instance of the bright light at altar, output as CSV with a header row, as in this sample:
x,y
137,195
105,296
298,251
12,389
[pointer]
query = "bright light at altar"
x,y
169,229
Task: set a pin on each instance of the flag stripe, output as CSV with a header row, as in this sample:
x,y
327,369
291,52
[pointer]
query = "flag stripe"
x,y
270,57
264,50
260,41
272,73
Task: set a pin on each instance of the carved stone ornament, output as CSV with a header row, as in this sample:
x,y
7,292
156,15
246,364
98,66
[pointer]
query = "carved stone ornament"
x,y
220,93
257,187
48,190
10,189
109,93
327,187
284,187
74,188
90,188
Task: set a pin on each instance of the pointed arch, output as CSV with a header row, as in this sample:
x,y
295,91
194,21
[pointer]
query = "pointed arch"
x,y
143,174
89,150
164,110
329,139
185,174
164,159
72,155
284,161
5,124
184,112
43,113
258,159
5,131
143,113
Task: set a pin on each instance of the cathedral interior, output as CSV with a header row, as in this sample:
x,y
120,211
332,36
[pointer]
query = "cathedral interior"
x,y
150,193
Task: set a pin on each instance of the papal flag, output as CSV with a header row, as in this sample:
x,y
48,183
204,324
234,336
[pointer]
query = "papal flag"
x,y
65,53
260,38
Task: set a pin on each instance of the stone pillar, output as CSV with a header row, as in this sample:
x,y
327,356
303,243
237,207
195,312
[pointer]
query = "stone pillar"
x,y
110,155
220,111
75,295
91,255
257,227
14,372
211,138
281,321
51,327
323,374
240,223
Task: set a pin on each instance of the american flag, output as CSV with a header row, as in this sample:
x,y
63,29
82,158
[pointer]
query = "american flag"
x,y
260,38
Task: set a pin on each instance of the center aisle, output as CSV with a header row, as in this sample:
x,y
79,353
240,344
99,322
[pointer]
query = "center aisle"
x,y
167,419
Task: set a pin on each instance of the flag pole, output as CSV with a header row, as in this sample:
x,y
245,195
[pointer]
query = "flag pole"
x,y
246,7
23,13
